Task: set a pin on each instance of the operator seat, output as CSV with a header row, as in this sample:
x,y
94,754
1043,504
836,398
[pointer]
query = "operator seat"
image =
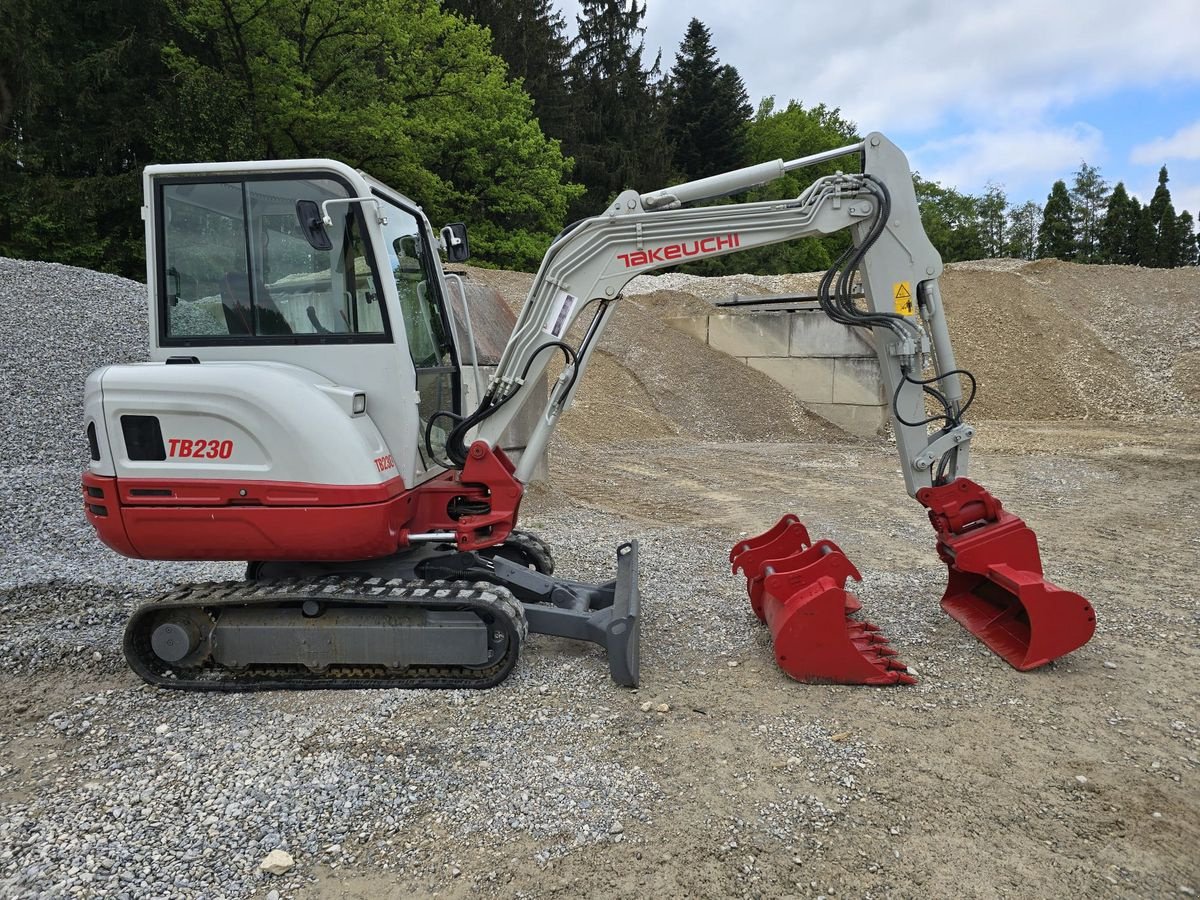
x,y
240,314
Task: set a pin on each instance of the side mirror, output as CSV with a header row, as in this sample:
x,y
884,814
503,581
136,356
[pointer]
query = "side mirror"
x,y
308,214
454,240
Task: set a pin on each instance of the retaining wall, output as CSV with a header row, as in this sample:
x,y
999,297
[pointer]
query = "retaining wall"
x,y
830,367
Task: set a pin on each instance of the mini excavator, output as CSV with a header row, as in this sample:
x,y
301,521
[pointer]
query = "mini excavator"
x,y
310,407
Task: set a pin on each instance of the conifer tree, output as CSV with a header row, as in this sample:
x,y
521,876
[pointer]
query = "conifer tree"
x,y
1146,239
1162,218
1118,228
529,35
1056,236
618,133
1186,230
1168,244
707,108
1089,194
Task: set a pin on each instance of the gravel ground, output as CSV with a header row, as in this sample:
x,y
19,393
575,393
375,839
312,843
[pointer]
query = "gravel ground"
x,y
719,777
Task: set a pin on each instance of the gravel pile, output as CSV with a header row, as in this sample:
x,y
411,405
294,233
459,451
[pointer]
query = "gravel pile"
x,y
59,323
718,778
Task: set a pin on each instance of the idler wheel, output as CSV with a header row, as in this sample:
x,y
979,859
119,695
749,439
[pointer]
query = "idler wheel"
x,y
181,639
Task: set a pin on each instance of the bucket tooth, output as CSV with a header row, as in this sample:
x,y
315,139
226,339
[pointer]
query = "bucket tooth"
x,y
996,588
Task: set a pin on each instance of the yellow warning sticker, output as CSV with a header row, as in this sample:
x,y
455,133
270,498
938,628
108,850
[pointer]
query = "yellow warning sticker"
x,y
902,291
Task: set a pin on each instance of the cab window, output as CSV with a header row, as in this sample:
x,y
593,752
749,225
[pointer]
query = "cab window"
x,y
236,265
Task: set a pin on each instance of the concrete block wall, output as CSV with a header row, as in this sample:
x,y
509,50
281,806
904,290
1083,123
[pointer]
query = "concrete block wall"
x,y
831,368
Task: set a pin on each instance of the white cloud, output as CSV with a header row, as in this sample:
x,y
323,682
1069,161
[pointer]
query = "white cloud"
x,y
1183,144
1012,156
907,66
1185,196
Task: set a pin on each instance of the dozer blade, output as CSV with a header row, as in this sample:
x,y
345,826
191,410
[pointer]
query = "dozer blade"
x,y
996,589
798,589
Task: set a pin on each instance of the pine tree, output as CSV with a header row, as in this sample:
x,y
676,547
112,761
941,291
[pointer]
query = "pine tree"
x,y
1056,236
1145,240
707,108
1022,230
1167,248
618,134
1162,218
1118,228
1089,195
1186,230
529,35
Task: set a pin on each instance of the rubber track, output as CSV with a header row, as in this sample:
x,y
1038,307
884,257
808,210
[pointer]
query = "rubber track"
x,y
505,610
534,547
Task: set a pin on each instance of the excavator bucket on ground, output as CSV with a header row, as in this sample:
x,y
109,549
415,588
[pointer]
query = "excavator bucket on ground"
x,y
798,588
996,589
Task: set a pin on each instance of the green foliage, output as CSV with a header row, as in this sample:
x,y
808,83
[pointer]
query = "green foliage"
x,y
1185,229
993,221
1023,223
1056,234
618,132
707,108
1166,251
529,35
90,92
78,84
1089,194
396,87
951,220
1119,228
1146,238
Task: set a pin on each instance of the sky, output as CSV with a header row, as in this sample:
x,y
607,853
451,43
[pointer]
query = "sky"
x,y
1015,93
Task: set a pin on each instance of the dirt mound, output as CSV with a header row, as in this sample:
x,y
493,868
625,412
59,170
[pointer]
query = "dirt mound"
x,y
648,380
1045,339
1055,340
1186,375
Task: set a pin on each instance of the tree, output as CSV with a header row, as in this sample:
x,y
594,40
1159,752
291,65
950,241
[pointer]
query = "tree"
x,y
1022,230
1089,194
397,87
1187,254
1056,236
1168,245
79,90
618,134
1162,218
993,223
1119,228
529,35
1146,239
951,220
707,108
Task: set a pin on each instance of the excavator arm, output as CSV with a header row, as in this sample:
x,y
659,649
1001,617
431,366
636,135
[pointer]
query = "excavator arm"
x,y
996,588
589,265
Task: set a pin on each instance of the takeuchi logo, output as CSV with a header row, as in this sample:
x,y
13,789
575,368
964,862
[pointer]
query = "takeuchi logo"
x,y
681,250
